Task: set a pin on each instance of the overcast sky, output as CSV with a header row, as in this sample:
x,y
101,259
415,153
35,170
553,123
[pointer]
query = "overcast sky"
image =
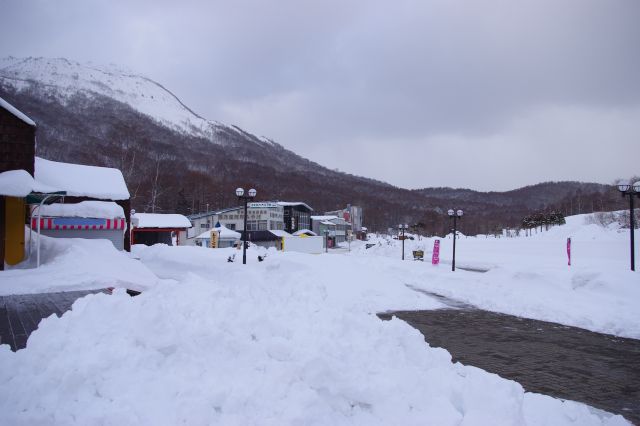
x,y
491,94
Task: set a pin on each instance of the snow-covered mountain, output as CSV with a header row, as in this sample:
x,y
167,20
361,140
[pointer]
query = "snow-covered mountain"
x,y
62,79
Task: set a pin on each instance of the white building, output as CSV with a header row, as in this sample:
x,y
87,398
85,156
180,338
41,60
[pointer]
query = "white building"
x,y
264,216
351,214
261,216
336,227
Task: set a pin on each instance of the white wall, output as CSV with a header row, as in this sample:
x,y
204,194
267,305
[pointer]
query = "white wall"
x,y
312,245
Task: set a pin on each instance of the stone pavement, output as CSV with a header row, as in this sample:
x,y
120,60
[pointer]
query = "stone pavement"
x,y
565,362
21,314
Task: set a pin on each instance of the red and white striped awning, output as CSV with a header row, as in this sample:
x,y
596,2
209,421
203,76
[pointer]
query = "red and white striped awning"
x,y
77,223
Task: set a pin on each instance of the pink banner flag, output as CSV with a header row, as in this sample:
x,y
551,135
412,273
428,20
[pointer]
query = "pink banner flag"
x,y
435,259
569,250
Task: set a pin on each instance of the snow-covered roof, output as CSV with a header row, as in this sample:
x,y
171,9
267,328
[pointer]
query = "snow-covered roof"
x,y
326,217
228,234
280,233
326,222
88,209
305,232
16,183
160,220
19,183
223,232
339,221
15,111
82,181
205,235
294,204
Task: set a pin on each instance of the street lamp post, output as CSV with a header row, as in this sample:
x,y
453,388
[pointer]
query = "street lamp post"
x,y
326,240
627,189
402,229
250,196
454,215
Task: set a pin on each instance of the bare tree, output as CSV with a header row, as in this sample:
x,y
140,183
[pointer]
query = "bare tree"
x,y
156,190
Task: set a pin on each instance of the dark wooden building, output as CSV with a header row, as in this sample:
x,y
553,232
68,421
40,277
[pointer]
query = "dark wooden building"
x,y
17,152
17,139
297,216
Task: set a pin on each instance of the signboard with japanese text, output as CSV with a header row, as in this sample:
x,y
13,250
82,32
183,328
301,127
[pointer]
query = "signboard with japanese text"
x,y
435,259
213,241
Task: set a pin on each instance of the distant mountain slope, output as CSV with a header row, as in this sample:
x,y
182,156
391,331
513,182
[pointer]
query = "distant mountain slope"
x,y
534,196
175,160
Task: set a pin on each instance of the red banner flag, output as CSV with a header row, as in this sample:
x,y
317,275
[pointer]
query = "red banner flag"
x,y
569,250
435,259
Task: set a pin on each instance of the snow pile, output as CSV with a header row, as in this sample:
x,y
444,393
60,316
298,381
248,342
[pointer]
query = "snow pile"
x,y
90,209
82,181
76,264
292,340
160,220
16,183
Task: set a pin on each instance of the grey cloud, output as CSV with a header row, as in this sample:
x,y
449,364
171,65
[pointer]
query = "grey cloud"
x,y
370,78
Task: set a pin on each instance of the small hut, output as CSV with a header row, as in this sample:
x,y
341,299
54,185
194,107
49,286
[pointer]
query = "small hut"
x,y
87,219
224,237
159,228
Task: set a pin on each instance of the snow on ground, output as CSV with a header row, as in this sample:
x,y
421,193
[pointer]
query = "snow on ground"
x,y
291,340
75,264
529,276
295,339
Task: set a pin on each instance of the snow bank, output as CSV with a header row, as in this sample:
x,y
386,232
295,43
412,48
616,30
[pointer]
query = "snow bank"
x,y
529,276
292,340
16,183
82,181
76,264
161,220
91,209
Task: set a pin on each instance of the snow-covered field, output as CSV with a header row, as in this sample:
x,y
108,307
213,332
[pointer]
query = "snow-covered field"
x,y
295,339
529,276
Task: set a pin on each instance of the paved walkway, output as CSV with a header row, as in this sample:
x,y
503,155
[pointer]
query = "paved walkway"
x,y
21,314
565,362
